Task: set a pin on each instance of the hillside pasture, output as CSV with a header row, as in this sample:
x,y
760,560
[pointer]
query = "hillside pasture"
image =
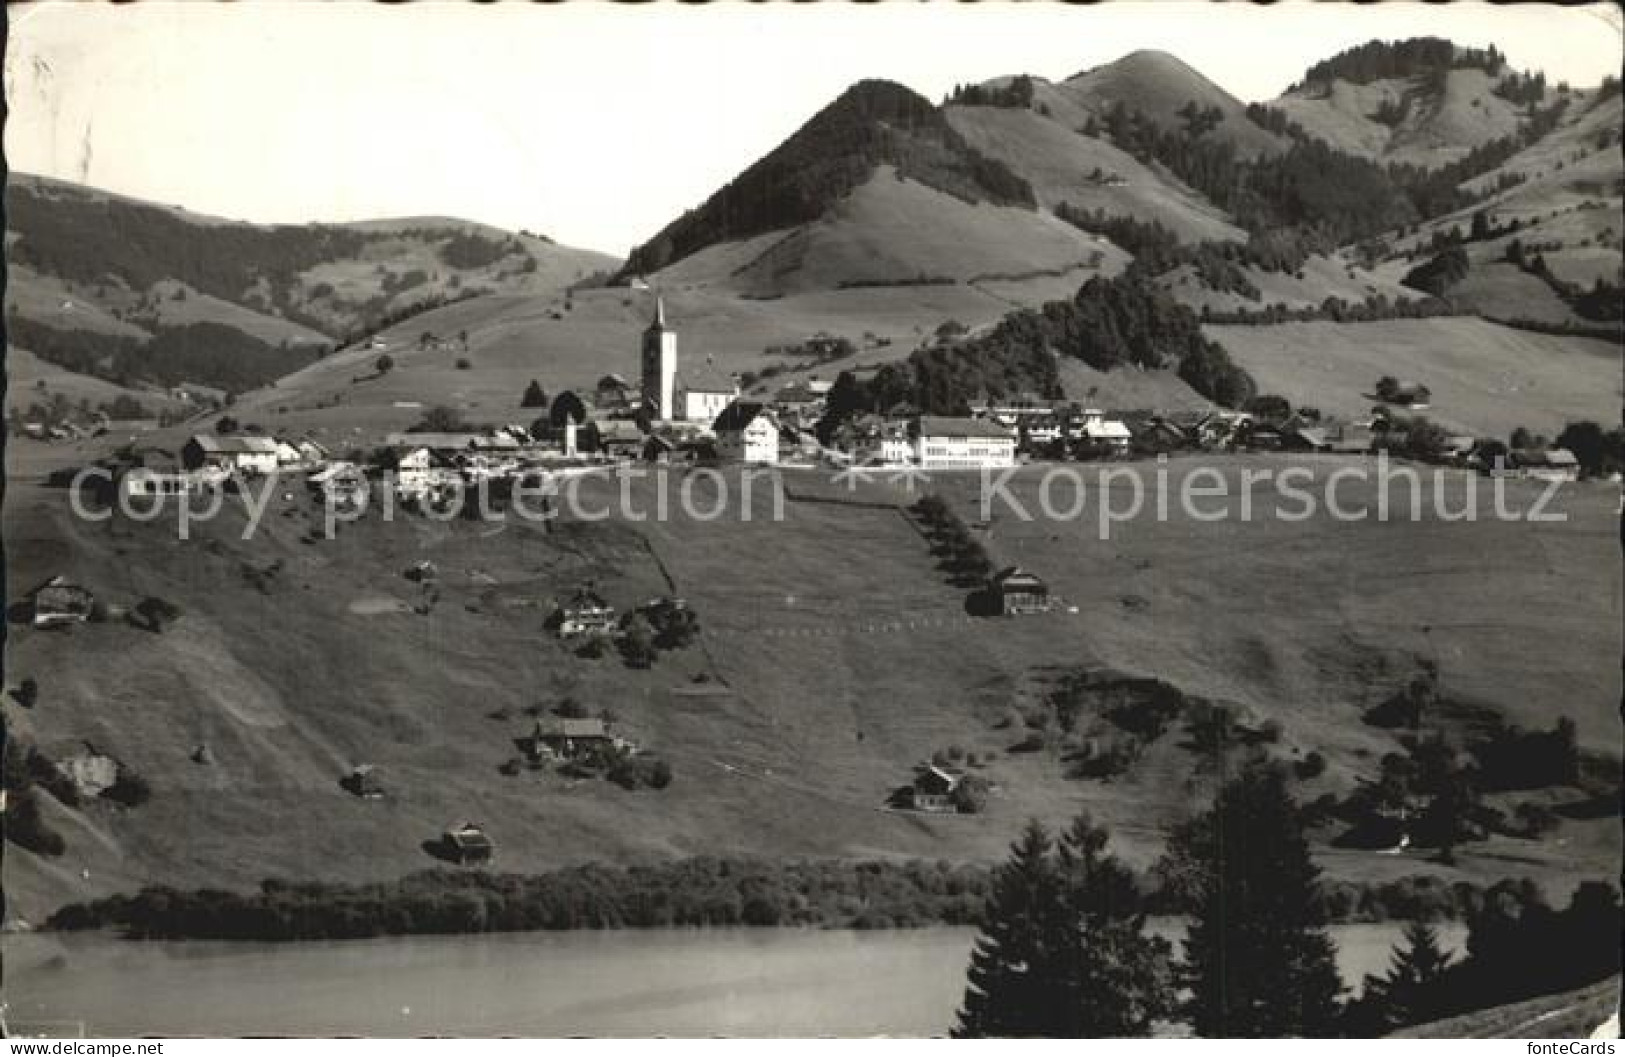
x,y
834,655
1486,379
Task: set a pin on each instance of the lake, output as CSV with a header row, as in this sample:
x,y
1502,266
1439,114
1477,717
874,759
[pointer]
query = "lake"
x,y
750,982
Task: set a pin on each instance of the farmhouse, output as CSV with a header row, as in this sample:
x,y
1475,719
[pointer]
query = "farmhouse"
x,y
586,613
251,455
1019,591
141,481
59,601
962,443
746,432
466,842
933,789
569,739
1552,464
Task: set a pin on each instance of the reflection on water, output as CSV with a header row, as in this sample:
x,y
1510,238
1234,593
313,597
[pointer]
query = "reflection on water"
x,y
722,982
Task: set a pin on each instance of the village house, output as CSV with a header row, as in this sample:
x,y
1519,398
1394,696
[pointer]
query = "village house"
x,y
1019,591
962,443
746,432
143,482
248,455
341,483
613,393
466,843
618,438
585,613
570,739
1158,435
60,601
933,789
1105,434
1552,464
92,773
874,440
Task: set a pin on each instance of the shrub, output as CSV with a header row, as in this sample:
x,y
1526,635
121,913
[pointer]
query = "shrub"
x,y
463,363
153,614
128,788
970,795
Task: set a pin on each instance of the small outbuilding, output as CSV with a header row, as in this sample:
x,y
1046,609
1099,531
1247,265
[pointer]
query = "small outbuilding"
x,y
1019,591
60,601
467,843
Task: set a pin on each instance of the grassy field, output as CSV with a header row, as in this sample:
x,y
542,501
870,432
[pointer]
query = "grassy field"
x,y
1486,379
835,655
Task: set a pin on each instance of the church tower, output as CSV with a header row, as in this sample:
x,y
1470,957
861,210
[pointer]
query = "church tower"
x,y
660,367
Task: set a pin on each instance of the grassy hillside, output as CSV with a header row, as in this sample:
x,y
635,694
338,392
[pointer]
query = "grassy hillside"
x,y
894,231
1160,85
1060,162
1440,123
834,652
871,124
86,260
1486,379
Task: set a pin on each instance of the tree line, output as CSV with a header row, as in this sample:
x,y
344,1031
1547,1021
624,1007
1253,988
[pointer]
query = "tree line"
x,y
1065,950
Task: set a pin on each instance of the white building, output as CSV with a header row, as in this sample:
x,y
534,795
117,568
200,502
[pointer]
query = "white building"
x,y
1107,432
695,395
962,444
746,432
884,443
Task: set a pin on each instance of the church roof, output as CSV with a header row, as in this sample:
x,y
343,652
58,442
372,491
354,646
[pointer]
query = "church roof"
x,y
704,378
659,321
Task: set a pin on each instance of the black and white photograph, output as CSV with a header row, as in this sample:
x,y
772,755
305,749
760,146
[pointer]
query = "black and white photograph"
x,y
909,520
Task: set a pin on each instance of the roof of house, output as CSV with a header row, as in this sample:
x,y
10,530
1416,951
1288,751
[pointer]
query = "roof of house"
x,y
1314,436
451,441
1016,576
618,431
942,426
1548,457
216,445
59,582
572,728
736,416
931,774
1106,429
468,835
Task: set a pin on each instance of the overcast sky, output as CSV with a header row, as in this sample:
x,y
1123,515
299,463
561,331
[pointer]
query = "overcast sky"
x,y
590,122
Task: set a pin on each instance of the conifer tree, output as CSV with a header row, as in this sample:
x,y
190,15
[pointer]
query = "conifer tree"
x,y
1257,960
1012,990
1118,979
1413,990
1063,951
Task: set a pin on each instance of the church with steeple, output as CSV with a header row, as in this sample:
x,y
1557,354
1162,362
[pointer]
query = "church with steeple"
x,y
696,395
